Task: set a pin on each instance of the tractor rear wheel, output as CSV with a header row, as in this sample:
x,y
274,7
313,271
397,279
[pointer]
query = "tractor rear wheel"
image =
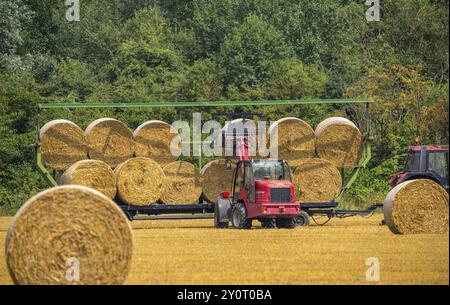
x,y
286,223
302,219
267,223
239,217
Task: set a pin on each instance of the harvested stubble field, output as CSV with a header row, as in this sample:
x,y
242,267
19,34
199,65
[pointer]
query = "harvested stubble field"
x,y
193,252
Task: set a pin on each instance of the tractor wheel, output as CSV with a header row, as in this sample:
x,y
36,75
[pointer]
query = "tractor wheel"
x,y
286,223
239,217
302,219
267,223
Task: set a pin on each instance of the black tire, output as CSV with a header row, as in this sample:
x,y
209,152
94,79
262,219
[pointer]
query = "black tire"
x,y
221,208
239,217
267,223
285,223
221,225
302,220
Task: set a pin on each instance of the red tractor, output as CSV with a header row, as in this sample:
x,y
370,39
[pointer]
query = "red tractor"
x,y
262,190
425,162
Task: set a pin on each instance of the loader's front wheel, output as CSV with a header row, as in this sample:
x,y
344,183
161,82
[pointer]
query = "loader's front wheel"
x,y
286,223
267,223
302,219
239,217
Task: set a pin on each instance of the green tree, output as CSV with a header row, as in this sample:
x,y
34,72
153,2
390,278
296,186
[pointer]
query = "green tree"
x,y
249,54
292,80
18,101
203,81
148,66
14,15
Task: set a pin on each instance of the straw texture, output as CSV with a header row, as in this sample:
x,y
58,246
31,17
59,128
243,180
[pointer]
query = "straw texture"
x,y
183,183
62,144
64,225
109,140
417,206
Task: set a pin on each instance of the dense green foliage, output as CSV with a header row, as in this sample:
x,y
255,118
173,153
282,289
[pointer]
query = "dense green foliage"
x,y
150,50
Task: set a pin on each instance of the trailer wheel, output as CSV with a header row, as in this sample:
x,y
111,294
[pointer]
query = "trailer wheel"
x,y
239,217
302,220
285,223
267,223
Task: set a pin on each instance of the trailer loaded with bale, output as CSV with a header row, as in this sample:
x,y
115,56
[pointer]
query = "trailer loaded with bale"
x,y
150,183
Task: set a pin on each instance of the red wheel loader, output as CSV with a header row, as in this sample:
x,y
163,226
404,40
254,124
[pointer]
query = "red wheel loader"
x,y
261,190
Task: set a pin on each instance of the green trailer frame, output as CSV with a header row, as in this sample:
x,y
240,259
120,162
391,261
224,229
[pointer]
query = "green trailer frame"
x,y
349,179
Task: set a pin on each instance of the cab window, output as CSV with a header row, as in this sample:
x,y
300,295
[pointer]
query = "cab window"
x,y
239,180
248,176
438,162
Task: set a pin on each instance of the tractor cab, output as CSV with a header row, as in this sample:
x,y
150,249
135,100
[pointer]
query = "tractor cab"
x,y
424,162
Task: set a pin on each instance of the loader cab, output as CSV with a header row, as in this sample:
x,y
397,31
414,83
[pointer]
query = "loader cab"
x,y
253,179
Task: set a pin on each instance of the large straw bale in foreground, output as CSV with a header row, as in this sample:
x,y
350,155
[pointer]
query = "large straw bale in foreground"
x,y
417,206
62,144
153,140
109,140
67,227
316,180
183,183
95,174
339,141
295,139
216,179
139,181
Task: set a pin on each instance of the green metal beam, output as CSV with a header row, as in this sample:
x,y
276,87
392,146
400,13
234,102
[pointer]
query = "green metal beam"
x,y
202,104
365,159
42,169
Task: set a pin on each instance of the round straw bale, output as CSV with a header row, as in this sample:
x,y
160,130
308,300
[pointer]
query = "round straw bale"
x,y
295,138
109,140
139,181
339,141
417,206
69,235
153,140
95,174
316,180
62,144
183,183
216,179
